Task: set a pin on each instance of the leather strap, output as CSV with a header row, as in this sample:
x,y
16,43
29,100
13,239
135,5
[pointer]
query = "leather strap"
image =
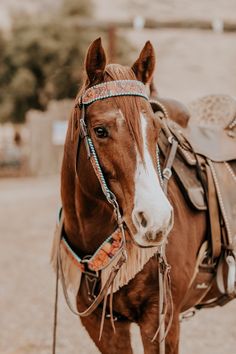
x,y
220,301
167,173
213,215
173,145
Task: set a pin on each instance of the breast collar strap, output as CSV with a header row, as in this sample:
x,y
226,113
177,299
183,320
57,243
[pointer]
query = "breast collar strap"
x,y
102,257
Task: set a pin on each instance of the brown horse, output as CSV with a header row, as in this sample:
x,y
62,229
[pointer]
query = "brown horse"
x,y
124,132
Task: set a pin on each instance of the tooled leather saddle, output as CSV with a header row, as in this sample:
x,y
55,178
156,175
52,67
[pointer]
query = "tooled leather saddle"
x,y
205,168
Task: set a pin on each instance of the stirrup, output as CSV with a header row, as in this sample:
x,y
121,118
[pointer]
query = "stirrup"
x,y
228,261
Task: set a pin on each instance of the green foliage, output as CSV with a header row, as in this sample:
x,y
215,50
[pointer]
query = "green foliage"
x,y
42,60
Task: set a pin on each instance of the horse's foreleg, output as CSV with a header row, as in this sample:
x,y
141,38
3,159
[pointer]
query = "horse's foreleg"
x,y
110,343
171,341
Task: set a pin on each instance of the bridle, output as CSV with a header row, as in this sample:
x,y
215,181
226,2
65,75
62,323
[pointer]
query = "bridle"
x,y
100,92
95,93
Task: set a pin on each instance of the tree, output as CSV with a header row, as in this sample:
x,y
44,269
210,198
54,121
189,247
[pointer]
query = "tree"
x,y
43,59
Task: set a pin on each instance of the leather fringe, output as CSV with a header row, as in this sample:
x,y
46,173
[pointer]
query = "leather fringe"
x,y
136,259
71,272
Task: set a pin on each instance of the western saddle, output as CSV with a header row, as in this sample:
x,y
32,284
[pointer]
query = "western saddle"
x,y
205,168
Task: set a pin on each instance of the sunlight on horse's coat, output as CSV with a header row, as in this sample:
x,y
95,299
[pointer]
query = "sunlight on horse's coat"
x,y
152,211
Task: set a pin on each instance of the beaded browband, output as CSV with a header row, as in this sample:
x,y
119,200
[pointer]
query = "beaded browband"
x,y
113,89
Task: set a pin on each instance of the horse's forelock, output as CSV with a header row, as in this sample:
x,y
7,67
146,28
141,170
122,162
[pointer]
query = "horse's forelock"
x,y
129,105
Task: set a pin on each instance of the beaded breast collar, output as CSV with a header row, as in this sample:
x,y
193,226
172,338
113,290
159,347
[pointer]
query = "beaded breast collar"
x,y
101,258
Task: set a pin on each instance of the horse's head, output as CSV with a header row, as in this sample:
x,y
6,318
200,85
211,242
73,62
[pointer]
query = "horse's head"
x,y
124,132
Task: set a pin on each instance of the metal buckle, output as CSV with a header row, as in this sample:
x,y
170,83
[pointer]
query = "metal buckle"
x,y
93,273
112,200
188,315
166,173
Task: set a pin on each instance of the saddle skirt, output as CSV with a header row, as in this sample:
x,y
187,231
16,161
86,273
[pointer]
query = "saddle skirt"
x,y
209,138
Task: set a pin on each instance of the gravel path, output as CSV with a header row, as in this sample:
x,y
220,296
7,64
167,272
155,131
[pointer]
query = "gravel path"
x,y
28,210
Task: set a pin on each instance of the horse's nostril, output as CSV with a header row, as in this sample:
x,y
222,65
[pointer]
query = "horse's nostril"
x,y
142,219
149,236
158,236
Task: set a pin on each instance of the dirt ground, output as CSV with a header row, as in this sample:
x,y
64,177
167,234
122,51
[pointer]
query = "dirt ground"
x,y
28,210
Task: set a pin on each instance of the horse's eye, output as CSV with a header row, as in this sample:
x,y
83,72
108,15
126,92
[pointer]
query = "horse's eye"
x,y
101,132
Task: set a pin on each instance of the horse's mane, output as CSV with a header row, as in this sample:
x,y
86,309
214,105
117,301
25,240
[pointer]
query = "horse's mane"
x,y
130,106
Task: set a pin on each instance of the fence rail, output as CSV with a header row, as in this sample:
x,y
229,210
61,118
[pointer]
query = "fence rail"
x,y
224,25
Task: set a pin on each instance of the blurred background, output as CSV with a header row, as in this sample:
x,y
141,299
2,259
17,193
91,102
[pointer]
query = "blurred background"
x,y
42,48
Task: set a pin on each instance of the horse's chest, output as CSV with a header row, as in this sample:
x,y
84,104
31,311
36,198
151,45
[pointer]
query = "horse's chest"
x,y
139,296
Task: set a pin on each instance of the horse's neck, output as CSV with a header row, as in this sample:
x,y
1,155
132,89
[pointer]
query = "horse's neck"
x,y
88,221
96,220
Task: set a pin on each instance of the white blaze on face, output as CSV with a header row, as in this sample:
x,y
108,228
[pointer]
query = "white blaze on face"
x,y
152,212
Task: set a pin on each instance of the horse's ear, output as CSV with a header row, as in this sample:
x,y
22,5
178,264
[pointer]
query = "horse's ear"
x,y
145,64
95,61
